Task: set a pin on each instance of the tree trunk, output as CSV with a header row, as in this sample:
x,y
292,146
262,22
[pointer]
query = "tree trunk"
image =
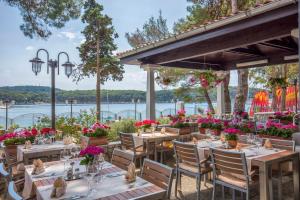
x,y
208,100
283,93
227,103
242,90
234,6
98,89
274,100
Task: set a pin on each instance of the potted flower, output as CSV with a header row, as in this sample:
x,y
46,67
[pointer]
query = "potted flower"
x,y
145,125
12,140
204,123
284,117
184,127
97,134
216,127
231,136
90,155
278,130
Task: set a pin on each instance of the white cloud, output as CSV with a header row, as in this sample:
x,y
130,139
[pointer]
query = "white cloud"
x,y
68,34
29,48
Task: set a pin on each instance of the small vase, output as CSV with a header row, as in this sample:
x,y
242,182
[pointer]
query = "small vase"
x,y
232,143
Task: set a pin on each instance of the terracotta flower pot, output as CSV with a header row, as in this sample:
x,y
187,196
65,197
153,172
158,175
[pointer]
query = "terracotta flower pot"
x,y
273,137
202,131
232,143
95,141
184,131
216,132
11,149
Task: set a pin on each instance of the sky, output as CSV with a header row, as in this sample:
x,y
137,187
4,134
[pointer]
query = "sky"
x,y
16,50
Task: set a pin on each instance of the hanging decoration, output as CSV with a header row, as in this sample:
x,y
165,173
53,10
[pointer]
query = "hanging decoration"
x,y
208,79
290,100
260,103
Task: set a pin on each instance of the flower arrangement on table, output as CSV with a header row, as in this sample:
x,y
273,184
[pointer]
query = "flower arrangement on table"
x,y
284,117
216,126
18,138
47,131
97,134
89,154
145,125
275,129
231,136
204,123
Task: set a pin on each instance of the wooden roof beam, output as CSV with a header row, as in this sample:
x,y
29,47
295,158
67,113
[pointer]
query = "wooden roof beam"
x,y
246,52
280,45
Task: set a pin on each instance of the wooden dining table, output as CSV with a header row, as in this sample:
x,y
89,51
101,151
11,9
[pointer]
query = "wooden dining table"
x,y
112,185
265,163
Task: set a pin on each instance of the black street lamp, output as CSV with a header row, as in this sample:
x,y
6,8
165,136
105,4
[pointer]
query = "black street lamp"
x,y
71,102
53,64
175,102
135,101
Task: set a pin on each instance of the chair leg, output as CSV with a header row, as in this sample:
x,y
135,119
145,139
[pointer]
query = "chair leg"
x,y
180,179
247,195
214,191
176,183
198,185
223,192
279,184
233,194
161,156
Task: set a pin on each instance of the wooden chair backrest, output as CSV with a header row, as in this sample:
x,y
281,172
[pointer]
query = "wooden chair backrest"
x,y
186,153
172,130
127,141
199,136
158,174
282,144
227,162
122,158
12,194
10,155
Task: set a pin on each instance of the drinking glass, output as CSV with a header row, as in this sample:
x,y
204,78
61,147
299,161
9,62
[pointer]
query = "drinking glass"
x,y
258,143
65,155
91,171
75,152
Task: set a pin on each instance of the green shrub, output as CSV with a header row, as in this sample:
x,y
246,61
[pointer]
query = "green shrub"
x,y
125,126
164,120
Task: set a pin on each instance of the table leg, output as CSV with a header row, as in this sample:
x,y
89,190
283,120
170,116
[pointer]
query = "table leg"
x,y
264,181
296,176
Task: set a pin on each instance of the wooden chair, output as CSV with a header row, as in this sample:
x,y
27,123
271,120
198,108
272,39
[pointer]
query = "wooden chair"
x,y
158,174
122,159
127,143
4,177
15,168
282,168
230,170
12,194
189,164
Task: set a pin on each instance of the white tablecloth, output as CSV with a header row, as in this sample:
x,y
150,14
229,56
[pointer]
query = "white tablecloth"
x,y
38,148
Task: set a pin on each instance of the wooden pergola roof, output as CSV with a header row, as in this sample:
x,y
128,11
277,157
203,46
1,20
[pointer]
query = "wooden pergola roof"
x,y
257,37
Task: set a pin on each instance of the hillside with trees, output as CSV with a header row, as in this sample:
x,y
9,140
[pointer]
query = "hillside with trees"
x,y
38,94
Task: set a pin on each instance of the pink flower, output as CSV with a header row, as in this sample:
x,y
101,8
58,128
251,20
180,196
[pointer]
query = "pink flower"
x,y
232,131
99,125
92,151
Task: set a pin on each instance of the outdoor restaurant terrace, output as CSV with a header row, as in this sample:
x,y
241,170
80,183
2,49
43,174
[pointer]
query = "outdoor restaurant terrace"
x,y
206,156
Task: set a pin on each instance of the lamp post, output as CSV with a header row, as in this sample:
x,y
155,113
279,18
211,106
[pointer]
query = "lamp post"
x,y
7,103
71,102
175,102
53,64
135,101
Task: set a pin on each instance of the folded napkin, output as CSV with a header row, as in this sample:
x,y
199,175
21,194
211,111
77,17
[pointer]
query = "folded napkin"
x,y
27,144
238,146
68,140
38,167
163,130
195,141
268,144
131,176
59,188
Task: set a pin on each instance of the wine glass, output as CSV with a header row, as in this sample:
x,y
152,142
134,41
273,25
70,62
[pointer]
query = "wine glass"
x,y
75,152
258,143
